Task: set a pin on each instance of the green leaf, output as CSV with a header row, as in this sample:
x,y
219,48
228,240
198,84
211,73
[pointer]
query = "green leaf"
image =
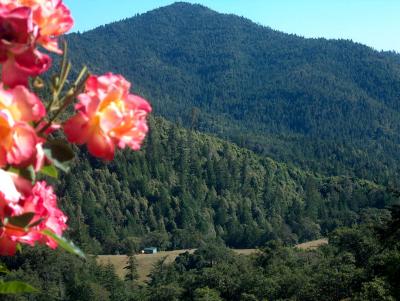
x,y
19,248
59,152
38,222
21,220
67,245
62,166
3,270
28,173
50,170
13,170
16,287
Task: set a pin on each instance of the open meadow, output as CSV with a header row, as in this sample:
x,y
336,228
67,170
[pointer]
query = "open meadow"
x,y
147,261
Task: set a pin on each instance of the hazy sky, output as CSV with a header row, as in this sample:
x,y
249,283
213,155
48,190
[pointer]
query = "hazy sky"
x,y
372,22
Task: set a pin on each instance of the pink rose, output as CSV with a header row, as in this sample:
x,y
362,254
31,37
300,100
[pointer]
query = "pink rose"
x,y
107,116
17,41
18,197
19,144
51,17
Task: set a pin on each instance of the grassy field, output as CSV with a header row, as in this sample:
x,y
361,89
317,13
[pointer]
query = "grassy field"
x,y
146,261
312,245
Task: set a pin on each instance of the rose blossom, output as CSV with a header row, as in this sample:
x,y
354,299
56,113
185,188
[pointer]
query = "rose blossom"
x,y
107,116
19,144
52,18
18,197
17,41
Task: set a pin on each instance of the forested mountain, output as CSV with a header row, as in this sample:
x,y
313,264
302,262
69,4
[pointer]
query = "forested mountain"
x,y
330,106
185,188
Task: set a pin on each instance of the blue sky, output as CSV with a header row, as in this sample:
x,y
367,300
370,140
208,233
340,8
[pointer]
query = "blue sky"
x,y
375,23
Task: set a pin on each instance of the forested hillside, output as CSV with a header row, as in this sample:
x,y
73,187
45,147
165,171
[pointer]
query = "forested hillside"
x,y
330,106
185,188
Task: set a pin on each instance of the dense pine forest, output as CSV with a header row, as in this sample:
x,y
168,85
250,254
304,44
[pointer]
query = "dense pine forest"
x,y
185,188
330,106
259,139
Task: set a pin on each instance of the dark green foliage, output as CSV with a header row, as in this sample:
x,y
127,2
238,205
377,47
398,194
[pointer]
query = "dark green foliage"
x,y
331,106
131,269
206,294
332,272
185,188
61,276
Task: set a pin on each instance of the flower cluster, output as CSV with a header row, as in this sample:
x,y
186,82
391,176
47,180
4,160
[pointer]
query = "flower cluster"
x,y
107,116
25,24
25,211
20,146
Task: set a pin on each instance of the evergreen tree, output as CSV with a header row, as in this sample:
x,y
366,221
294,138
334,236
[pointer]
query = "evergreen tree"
x,y
131,269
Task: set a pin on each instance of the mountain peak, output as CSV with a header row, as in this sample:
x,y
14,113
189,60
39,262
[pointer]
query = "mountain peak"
x,y
184,5
255,85
182,8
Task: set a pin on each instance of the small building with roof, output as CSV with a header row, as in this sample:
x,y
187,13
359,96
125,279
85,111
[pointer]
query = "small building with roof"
x,y
150,250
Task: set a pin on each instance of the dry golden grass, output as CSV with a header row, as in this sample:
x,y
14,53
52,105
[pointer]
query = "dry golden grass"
x,y
147,261
312,245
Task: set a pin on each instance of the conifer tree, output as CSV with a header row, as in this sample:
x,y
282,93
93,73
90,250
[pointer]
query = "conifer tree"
x,y
132,269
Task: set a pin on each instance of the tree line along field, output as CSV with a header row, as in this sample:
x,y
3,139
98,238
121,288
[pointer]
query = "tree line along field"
x,y
146,262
